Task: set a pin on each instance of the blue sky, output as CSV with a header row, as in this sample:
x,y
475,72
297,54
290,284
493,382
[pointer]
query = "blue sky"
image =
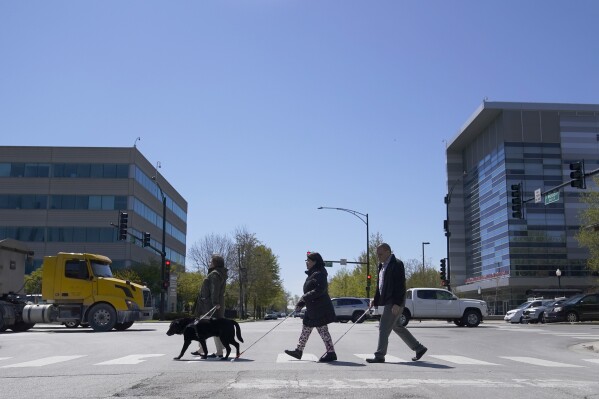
x,y
262,111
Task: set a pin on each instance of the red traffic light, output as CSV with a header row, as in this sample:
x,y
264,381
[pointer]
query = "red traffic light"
x,y
368,277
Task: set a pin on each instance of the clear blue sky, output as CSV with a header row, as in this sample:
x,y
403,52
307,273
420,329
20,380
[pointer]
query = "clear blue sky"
x,y
261,111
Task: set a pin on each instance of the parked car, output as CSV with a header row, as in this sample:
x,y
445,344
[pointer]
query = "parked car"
x,y
516,315
536,314
271,316
349,308
580,307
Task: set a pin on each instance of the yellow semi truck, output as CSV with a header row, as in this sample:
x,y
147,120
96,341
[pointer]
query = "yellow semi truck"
x,y
79,288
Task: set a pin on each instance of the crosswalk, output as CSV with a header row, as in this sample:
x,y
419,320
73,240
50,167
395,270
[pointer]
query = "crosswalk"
x,y
454,360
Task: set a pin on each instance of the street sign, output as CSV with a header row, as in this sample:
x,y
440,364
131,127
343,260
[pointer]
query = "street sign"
x,y
328,264
343,262
552,197
537,195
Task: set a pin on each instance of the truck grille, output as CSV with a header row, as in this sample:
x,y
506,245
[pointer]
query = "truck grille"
x,y
147,299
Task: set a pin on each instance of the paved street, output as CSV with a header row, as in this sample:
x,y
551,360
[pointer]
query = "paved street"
x,y
495,359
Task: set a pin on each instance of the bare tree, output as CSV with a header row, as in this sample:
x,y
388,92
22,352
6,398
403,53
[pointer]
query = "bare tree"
x,y
201,252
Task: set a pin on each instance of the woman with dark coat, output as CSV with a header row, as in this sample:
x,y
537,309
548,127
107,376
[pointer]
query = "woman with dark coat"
x,y
319,308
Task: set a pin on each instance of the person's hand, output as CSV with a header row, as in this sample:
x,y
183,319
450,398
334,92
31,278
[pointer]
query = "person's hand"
x,y
298,309
217,306
372,303
395,310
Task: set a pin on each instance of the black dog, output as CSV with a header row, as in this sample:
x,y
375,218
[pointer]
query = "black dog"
x,y
198,330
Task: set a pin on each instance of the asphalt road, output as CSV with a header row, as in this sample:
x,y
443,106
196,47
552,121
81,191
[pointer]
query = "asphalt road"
x,y
492,360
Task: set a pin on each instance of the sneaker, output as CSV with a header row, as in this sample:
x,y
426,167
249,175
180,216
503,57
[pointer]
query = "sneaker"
x,y
376,360
420,353
328,357
197,353
296,353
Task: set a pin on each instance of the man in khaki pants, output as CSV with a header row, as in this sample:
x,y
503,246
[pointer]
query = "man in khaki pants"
x,y
391,293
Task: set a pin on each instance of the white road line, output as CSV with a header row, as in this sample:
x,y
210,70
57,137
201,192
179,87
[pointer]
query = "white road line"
x,y
463,360
4,358
538,362
131,359
388,358
591,360
306,357
44,361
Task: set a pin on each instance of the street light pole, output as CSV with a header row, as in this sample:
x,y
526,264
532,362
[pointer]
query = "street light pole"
x,y
163,251
423,244
558,273
364,218
447,232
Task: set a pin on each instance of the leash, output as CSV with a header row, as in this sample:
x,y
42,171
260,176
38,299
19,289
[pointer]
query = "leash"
x,y
208,314
268,332
352,326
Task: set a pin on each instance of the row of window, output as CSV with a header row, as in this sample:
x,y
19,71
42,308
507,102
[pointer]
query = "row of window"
x,y
86,202
71,170
147,213
150,185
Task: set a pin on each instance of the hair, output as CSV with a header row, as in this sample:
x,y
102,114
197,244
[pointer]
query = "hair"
x,y
218,261
385,246
315,256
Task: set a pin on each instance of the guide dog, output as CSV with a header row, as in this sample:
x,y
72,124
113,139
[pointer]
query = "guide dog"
x,y
200,329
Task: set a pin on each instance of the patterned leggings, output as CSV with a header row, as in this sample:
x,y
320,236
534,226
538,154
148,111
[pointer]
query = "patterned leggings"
x,y
324,334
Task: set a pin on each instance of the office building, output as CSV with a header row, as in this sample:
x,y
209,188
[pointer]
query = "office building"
x,y
504,144
64,199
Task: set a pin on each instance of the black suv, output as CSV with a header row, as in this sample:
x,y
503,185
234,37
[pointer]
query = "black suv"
x,y
577,308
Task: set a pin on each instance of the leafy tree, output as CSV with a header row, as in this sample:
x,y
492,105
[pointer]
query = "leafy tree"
x,y
188,287
588,236
33,282
128,274
427,278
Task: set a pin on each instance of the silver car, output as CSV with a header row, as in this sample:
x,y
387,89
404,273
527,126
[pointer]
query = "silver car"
x,y
350,308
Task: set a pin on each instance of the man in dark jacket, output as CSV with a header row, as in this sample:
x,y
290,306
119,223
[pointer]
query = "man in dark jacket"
x,y
391,294
212,294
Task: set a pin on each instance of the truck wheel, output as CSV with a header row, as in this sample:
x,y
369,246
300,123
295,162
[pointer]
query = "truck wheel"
x,y
471,318
572,317
71,324
356,316
123,326
102,317
404,319
22,326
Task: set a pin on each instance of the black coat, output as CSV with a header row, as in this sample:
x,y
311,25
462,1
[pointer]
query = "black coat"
x,y
319,308
394,284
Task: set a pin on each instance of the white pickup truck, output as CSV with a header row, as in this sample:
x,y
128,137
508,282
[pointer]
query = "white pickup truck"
x,y
440,304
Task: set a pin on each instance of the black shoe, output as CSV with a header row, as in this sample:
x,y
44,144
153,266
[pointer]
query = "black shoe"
x,y
328,357
419,354
212,355
296,353
197,353
376,360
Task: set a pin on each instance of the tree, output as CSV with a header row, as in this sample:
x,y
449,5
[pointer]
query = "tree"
x,y
588,236
188,287
33,282
427,278
201,252
128,274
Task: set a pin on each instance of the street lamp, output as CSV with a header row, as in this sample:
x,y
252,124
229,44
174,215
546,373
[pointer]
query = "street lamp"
x,y
423,244
163,252
447,232
558,273
480,292
364,218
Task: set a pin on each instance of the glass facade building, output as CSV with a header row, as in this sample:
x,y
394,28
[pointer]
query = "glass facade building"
x,y
530,144
64,199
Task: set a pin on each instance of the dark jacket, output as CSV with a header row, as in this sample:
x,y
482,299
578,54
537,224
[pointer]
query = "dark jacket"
x,y
212,293
316,299
394,284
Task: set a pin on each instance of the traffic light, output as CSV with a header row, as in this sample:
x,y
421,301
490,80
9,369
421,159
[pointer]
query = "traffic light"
x,y
123,219
167,267
165,284
146,240
442,269
368,280
517,201
577,175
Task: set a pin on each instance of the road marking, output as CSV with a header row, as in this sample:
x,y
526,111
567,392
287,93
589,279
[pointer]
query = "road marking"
x,y
131,359
306,357
4,358
463,360
388,358
538,362
44,361
591,360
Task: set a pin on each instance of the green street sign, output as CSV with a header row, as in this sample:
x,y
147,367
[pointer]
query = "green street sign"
x,y
552,197
328,264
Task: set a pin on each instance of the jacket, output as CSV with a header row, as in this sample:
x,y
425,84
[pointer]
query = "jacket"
x,y
394,284
212,293
319,307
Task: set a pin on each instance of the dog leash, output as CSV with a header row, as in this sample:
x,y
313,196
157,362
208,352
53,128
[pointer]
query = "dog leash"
x,y
268,332
209,314
352,326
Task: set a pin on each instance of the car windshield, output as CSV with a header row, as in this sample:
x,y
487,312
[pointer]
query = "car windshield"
x,y
574,299
101,269
524,305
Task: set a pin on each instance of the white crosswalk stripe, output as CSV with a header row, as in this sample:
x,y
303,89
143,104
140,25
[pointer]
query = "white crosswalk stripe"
x,y
388,358
592,360
463,360
4,358
306,357
538,362
44,361
131,359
